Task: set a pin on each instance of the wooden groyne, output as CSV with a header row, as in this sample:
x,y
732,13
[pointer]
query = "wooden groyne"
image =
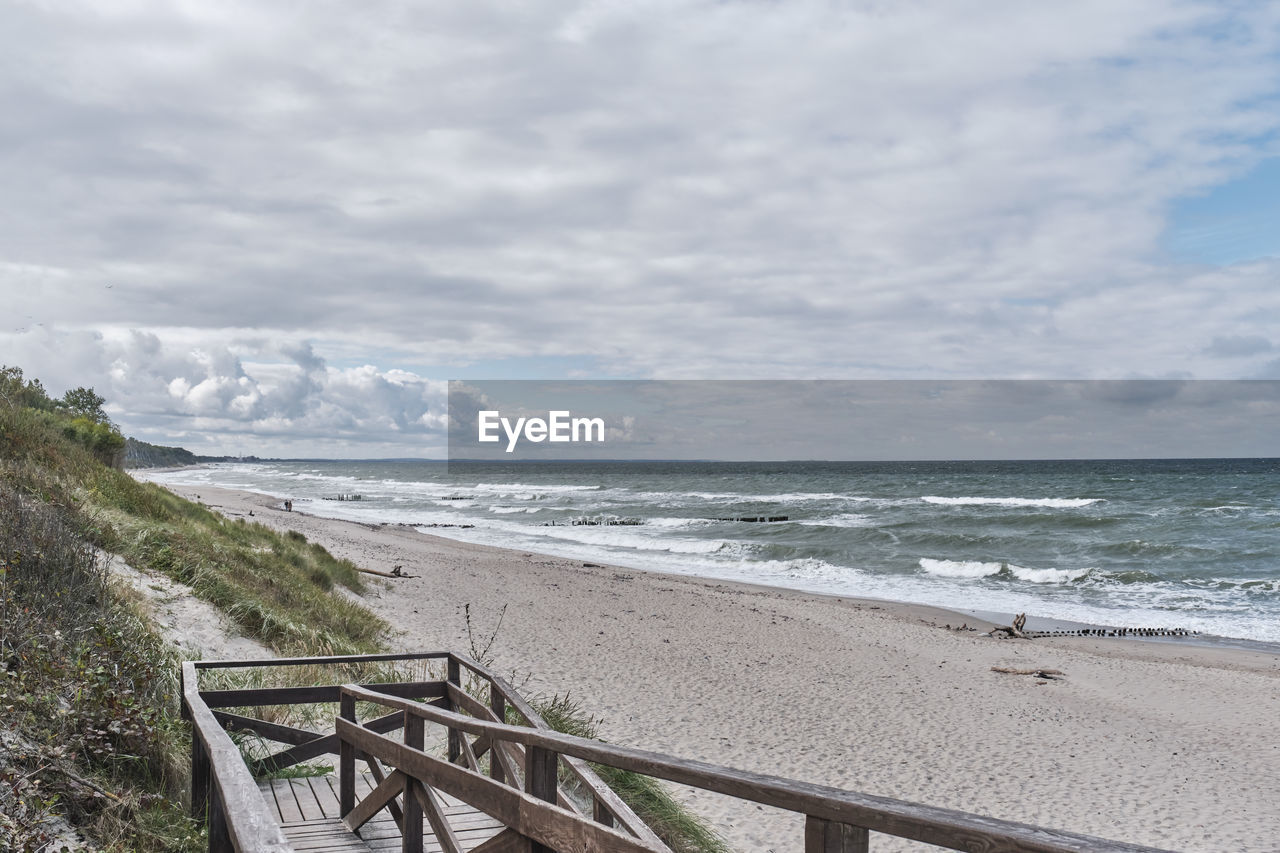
x,y
461,763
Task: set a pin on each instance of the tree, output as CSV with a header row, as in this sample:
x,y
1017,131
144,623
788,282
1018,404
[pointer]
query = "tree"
x,y
86,403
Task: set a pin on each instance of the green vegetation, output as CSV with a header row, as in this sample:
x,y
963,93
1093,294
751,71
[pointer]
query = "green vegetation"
x,y
88,692
140,454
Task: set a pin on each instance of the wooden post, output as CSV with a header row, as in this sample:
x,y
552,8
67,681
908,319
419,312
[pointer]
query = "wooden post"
x,y
541,780
219,836
599,813
200,777
828,836
455,736
347,761
498,705
414,738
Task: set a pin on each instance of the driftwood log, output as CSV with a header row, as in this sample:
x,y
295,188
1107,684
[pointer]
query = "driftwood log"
x,y
1014,630
1050,674
396,572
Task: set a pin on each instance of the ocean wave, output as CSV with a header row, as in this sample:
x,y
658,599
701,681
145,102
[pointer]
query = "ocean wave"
x,y
502,488
627,538
1056,503
982,569
847,519
746,498
505,510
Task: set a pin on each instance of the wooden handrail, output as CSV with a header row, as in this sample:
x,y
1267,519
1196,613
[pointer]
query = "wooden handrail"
x,y
223,791
607,807
941,827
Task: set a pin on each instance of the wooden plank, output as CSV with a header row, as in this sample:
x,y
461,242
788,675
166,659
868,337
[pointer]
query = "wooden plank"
x,y
947,828
307,801
430,805
498,710
544,822
541,780
601,793
387,790
375,770
240,810
507,841
318,661
270,731
254,696
346,759
320,745
411,825
824,836
325,836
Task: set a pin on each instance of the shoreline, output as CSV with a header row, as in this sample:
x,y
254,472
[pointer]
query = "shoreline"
x,y
1142,741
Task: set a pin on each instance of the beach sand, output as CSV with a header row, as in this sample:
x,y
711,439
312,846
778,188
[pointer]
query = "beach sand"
x,y
1168,744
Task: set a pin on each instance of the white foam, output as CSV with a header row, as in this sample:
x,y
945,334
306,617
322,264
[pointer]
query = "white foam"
x,y
847,519
959,568
1047,575
1054,503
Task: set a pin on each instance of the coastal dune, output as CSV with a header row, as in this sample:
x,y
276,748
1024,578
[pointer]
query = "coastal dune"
x,y
1169,744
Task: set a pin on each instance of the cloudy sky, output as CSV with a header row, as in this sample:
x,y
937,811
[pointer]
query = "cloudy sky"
x,y
279,228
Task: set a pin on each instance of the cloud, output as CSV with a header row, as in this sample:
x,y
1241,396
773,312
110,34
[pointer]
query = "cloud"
x,y
687,189
212,400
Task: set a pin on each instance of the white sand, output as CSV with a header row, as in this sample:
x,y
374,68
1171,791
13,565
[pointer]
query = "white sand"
x,y
192,624
1166,744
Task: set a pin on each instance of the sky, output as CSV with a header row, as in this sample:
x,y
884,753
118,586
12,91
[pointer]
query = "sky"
x,y
281,228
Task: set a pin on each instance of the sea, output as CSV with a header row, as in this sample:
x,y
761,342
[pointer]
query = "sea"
x,y
1173,544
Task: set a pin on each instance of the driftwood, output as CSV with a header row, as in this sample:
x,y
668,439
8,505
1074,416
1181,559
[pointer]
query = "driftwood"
x,y
1050,674
1014,630
396,572
1018,630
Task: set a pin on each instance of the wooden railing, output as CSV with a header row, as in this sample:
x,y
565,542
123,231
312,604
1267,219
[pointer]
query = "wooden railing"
x,y
535,781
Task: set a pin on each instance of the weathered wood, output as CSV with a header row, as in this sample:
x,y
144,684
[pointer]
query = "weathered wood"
x,y
541,779
464,700
201,775
237,813
542,821
321,745
942,827
310,695
507,841
268,730
411,825
468,755
454,679
430,805
498,708
346,759
600,812
388,789
319,661
375,770
825,836
626,818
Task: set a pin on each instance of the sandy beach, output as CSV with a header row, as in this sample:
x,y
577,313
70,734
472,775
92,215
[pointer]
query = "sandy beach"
x,y
1169,744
